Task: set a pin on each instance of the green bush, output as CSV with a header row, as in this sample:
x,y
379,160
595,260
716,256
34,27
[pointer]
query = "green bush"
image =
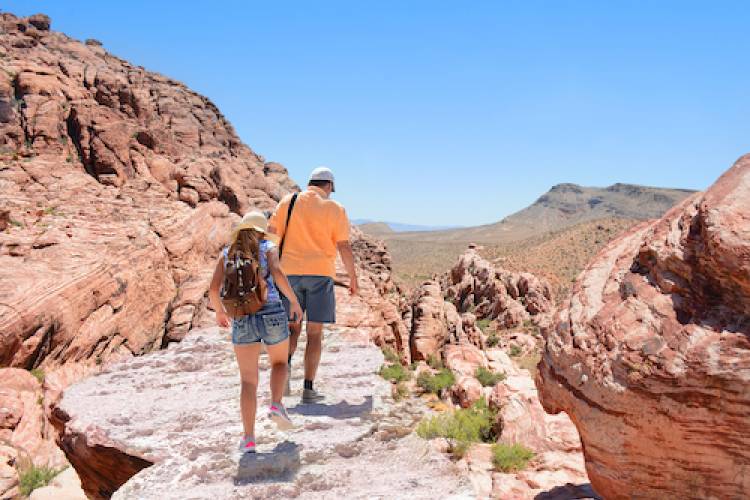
x,y
394,373
39,374
515,351
461,428
390,355
35,477
436,383
488,378
434,362
507,458
483,324
493,340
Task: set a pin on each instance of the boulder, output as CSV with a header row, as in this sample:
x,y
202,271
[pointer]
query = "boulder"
x,y
429,330
651,355
464,359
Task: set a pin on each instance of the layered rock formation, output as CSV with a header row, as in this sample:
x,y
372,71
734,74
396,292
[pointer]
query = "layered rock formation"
x,y
118,185
651,356
445,310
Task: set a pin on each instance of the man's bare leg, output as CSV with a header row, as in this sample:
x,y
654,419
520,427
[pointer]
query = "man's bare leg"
x,y
313,349
295,329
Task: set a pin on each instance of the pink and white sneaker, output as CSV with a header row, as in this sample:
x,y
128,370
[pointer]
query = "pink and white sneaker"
x,y
247,445
278,414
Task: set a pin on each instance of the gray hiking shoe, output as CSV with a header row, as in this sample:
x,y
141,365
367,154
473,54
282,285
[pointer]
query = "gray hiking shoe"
x,y
311,396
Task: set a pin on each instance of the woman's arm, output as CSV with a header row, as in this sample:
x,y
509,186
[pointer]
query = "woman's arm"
x,y
213,294
272,256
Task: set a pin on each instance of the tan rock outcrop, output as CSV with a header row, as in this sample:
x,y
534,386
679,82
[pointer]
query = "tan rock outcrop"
x,y
651,356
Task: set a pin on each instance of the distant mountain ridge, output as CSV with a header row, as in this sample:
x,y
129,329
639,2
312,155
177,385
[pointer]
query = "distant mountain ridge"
x,y
565,205
377,227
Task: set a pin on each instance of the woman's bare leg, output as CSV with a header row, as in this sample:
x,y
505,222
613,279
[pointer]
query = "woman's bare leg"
x,y
247,359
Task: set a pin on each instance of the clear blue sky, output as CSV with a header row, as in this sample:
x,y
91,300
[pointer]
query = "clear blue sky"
x,y
453,112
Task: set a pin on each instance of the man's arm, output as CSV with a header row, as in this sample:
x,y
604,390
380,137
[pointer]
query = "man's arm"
x,y
347,256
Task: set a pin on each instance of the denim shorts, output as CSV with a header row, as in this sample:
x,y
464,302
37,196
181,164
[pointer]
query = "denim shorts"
x,y
316,296
270,325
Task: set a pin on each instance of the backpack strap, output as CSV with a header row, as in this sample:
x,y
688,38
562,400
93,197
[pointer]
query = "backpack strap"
x,y
286,226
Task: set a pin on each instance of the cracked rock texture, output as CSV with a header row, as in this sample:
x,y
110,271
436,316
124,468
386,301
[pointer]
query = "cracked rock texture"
x,y
651,356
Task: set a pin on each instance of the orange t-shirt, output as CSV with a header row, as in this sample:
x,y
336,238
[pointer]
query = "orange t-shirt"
x,y
315,227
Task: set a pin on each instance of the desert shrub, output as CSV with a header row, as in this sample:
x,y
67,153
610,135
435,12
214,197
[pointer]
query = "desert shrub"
x,y
34,478
394,373
488,378
515,351
435,383
39,374
493,339
400,391
510,458
483,324
390,355
461,427
434,362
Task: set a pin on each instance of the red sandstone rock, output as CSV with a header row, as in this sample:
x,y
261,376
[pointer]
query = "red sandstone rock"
x,y
25,434
98,460
464,359
651,357
119,183
467,390
429,331
509,298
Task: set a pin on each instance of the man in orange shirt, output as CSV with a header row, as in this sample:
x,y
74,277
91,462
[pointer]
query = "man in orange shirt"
x,y
313,228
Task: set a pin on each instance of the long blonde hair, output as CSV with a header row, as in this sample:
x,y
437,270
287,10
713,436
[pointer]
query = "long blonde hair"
x,y
246,242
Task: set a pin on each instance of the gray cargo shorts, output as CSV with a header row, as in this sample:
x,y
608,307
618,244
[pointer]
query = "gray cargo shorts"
x,y
316,297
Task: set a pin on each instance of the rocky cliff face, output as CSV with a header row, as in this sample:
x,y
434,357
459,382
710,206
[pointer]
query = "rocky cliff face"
x,y
118,185
651,356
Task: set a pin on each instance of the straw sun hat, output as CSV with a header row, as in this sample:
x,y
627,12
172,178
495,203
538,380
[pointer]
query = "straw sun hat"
x,y
257,221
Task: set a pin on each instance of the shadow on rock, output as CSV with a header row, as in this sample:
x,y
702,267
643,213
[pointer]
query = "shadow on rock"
x,y
569,492
341,410
280,464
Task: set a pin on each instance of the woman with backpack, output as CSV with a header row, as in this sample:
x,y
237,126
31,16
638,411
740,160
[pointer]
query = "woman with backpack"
x,y
244,294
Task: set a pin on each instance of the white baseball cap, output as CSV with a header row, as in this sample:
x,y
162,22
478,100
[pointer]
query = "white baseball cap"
x,y
323,174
